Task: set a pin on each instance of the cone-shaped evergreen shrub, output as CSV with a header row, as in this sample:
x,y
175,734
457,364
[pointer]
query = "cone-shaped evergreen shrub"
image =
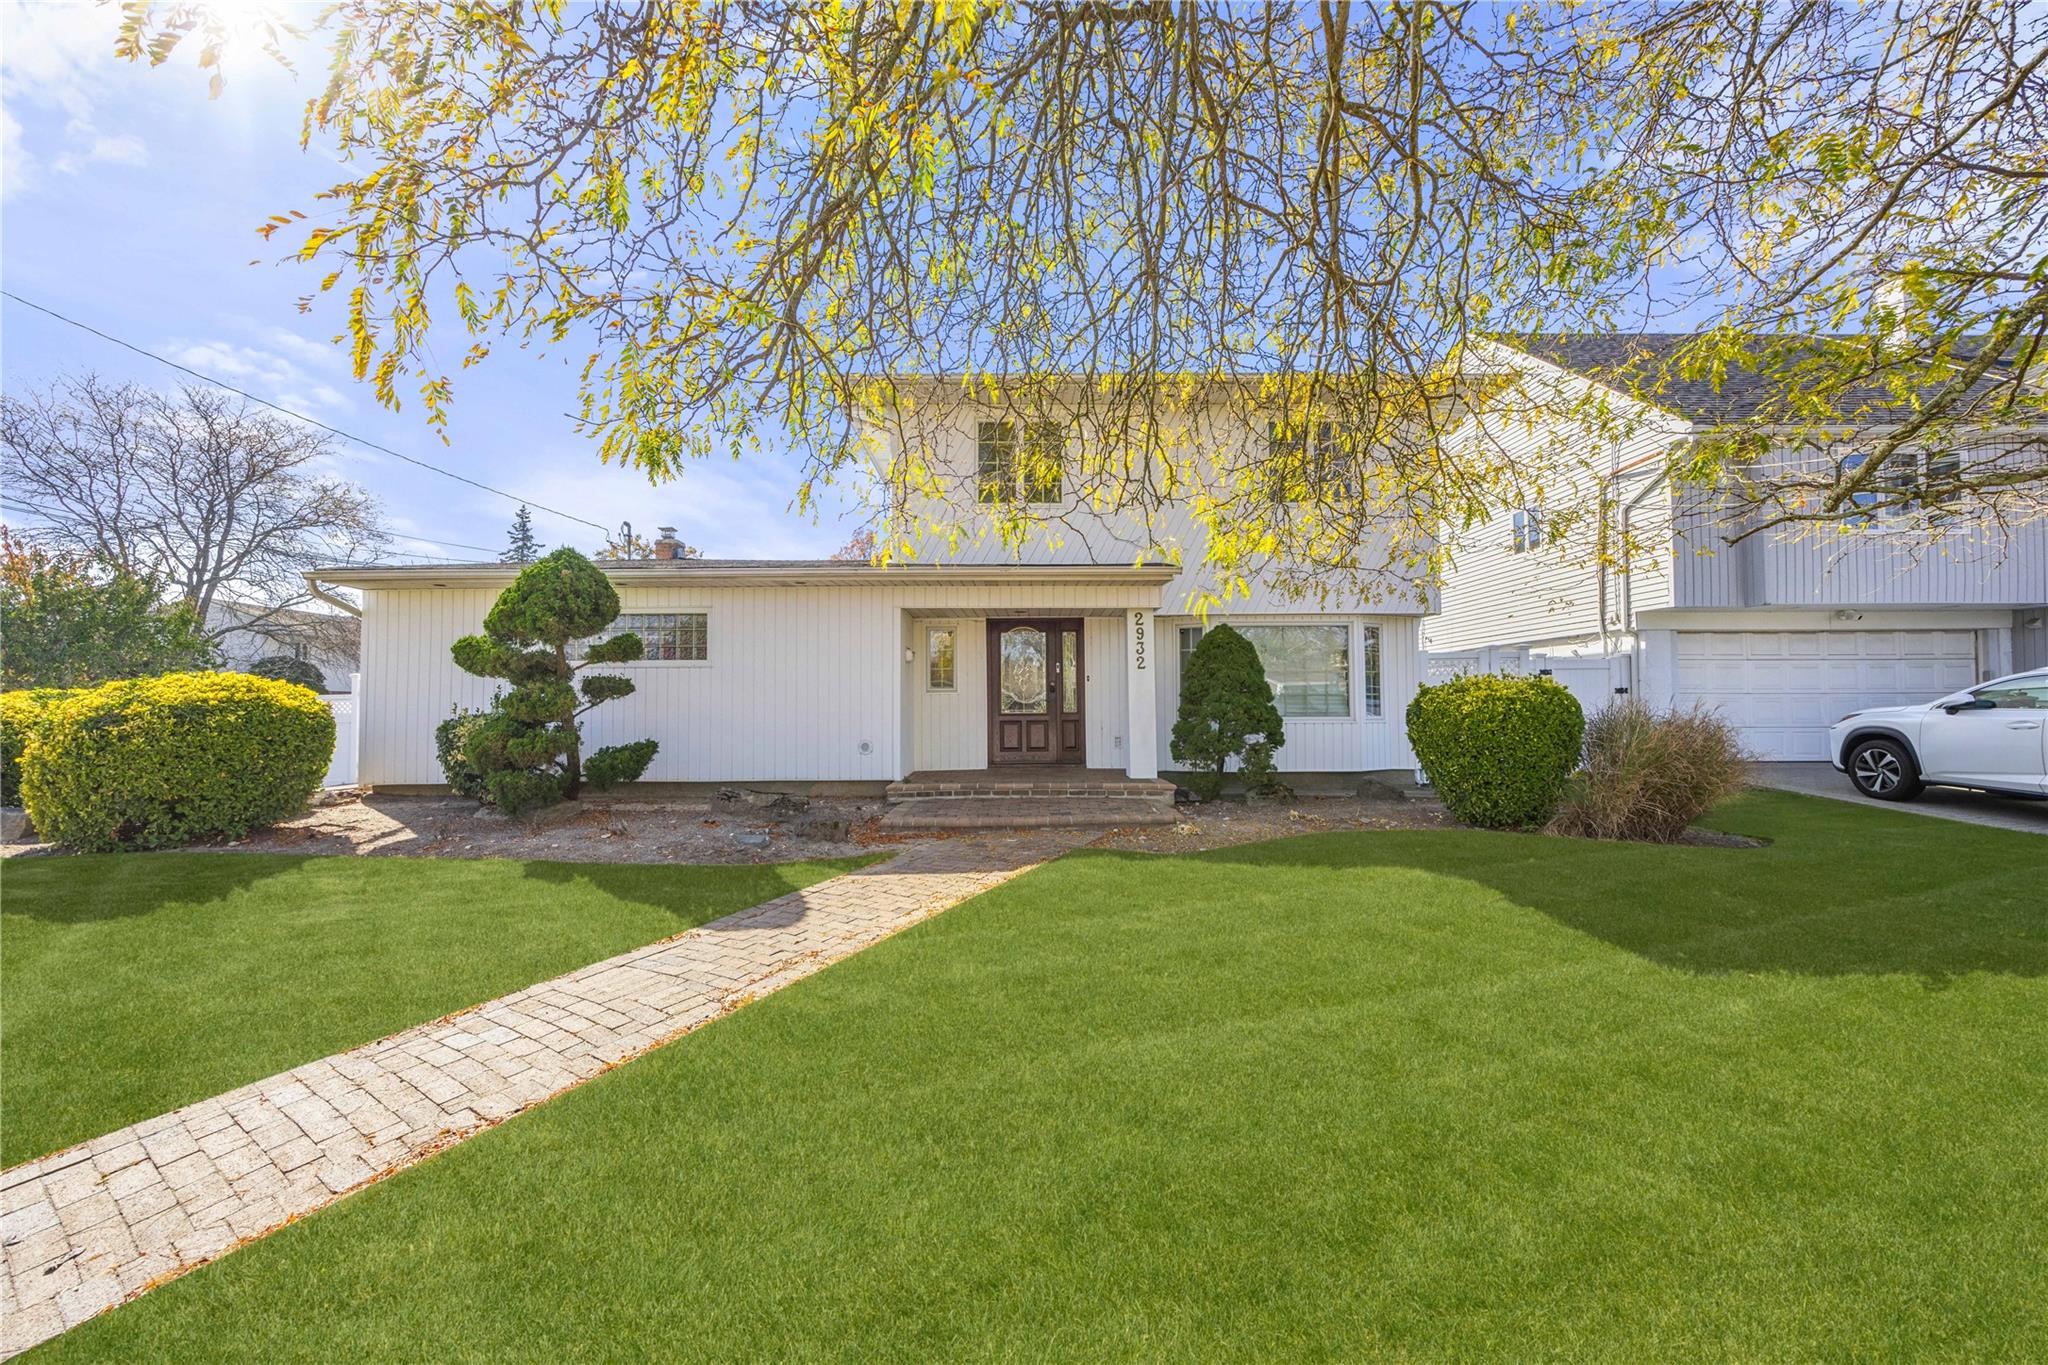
x,y
527,751
1226,705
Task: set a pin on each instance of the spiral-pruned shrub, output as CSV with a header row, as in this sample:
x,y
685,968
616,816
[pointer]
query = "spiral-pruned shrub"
x,y
21,711
1498,750
157,762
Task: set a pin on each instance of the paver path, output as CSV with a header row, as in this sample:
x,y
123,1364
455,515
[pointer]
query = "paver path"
x,y
86,1229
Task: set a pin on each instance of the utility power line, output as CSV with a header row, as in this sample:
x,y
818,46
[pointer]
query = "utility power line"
x,y
302,417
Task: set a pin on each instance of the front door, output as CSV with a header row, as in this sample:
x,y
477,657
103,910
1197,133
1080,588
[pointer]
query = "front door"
x,y
1034,692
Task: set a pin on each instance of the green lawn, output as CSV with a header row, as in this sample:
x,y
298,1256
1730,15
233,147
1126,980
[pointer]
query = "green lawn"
x,y
1433,1094
132,984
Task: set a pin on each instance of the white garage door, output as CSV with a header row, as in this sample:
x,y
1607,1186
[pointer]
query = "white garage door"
x,y
1783,689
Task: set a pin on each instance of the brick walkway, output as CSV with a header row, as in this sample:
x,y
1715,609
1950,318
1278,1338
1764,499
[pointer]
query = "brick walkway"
x,y
89,1228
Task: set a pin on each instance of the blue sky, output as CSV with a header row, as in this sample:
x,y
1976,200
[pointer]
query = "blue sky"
x,y
129,200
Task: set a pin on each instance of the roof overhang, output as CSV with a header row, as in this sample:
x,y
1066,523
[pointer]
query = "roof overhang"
x,y
713,574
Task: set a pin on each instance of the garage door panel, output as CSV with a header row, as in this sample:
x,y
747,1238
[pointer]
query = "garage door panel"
x,y
1781,690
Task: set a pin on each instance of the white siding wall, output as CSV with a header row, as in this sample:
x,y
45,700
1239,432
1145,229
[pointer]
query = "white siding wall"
x,y
1361,743
1106,703
1077,534
1494,595
952,727
803,683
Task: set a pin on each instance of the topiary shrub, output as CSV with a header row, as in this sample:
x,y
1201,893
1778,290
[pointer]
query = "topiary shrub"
x,y
1226,708
156,762
617,763
1498,750
1648,775
21,711
528,750
451,744
285,668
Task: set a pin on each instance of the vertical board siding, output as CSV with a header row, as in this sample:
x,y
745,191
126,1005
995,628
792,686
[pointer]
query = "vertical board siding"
x,y
951,727
1106,703
798,681
1360,743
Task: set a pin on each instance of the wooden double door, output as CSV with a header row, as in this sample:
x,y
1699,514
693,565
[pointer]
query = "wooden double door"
x,y
1036,679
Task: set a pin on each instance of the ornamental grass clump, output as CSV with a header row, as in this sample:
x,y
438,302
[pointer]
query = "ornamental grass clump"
x,y
1649,775
158,762
527,750
1498,750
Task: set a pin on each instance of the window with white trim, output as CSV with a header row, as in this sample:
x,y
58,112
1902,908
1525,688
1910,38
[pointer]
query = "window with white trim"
x,y
1310,668
938,659
1299,469
665,636
1528,529
1190,636
1010,470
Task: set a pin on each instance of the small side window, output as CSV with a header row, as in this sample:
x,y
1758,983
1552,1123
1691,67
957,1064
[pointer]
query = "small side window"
x,y
1528,529
938,659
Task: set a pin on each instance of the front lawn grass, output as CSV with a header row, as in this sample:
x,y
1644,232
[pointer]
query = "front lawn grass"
x,y
1417,1095
131,984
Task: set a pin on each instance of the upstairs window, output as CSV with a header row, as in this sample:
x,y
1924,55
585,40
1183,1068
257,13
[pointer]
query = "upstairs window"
x,y
1528,530
1010,470
1305,464
1909,483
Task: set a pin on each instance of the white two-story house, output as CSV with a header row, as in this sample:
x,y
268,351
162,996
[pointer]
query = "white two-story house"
x,y
1648,584
972,652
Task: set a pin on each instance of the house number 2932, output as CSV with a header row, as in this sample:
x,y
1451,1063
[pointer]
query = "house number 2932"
x,y
1138,638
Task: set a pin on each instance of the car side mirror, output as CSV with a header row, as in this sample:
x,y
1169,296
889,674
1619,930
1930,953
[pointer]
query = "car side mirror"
x,y
1971,704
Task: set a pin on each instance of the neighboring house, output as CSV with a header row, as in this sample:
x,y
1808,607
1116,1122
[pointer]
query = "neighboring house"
x,y
1064,651
328,640
1781,633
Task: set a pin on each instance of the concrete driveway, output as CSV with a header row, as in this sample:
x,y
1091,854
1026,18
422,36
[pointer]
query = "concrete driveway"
x,y
1947,803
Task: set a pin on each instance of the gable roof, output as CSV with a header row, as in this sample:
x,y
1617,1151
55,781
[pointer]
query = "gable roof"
x,y
1646,365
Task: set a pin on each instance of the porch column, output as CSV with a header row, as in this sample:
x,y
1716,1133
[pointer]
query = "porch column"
x,y
1141,689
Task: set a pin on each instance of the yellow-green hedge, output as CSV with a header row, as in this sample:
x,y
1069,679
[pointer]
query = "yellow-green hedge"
x,y
155,762
1498,750
20,712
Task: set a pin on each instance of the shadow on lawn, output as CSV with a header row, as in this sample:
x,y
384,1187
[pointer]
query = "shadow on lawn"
x,y
1840,891
684,891
92,888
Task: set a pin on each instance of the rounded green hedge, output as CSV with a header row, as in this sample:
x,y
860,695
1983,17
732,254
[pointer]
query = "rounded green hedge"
x,y
20,713
1498,750
155,762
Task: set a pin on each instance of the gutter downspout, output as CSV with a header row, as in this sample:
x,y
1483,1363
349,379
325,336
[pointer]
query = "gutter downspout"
x,y
1628,588
321,594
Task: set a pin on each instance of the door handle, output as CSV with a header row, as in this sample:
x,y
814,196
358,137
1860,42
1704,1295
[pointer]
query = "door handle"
x,y
2023,725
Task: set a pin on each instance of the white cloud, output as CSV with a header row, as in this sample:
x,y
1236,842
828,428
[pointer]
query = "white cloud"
x,y
53,58
263,372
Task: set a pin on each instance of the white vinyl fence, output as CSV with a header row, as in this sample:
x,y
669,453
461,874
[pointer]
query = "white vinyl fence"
x,y
341,769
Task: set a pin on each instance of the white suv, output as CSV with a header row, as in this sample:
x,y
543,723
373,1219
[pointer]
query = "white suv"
x,y
1993,737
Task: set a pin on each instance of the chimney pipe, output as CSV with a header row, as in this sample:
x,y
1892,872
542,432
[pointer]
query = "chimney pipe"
x,y
666,546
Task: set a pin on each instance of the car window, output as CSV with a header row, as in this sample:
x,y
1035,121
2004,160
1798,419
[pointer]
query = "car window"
x,y
2016,696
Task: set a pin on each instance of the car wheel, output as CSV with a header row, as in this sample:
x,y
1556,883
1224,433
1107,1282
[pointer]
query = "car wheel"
x,y
1884,768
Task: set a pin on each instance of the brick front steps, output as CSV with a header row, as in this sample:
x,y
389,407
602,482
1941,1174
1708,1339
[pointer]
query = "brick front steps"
x,y
923,814
1055,782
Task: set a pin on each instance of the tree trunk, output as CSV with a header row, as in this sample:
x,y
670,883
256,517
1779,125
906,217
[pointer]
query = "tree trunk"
x,y
572,765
